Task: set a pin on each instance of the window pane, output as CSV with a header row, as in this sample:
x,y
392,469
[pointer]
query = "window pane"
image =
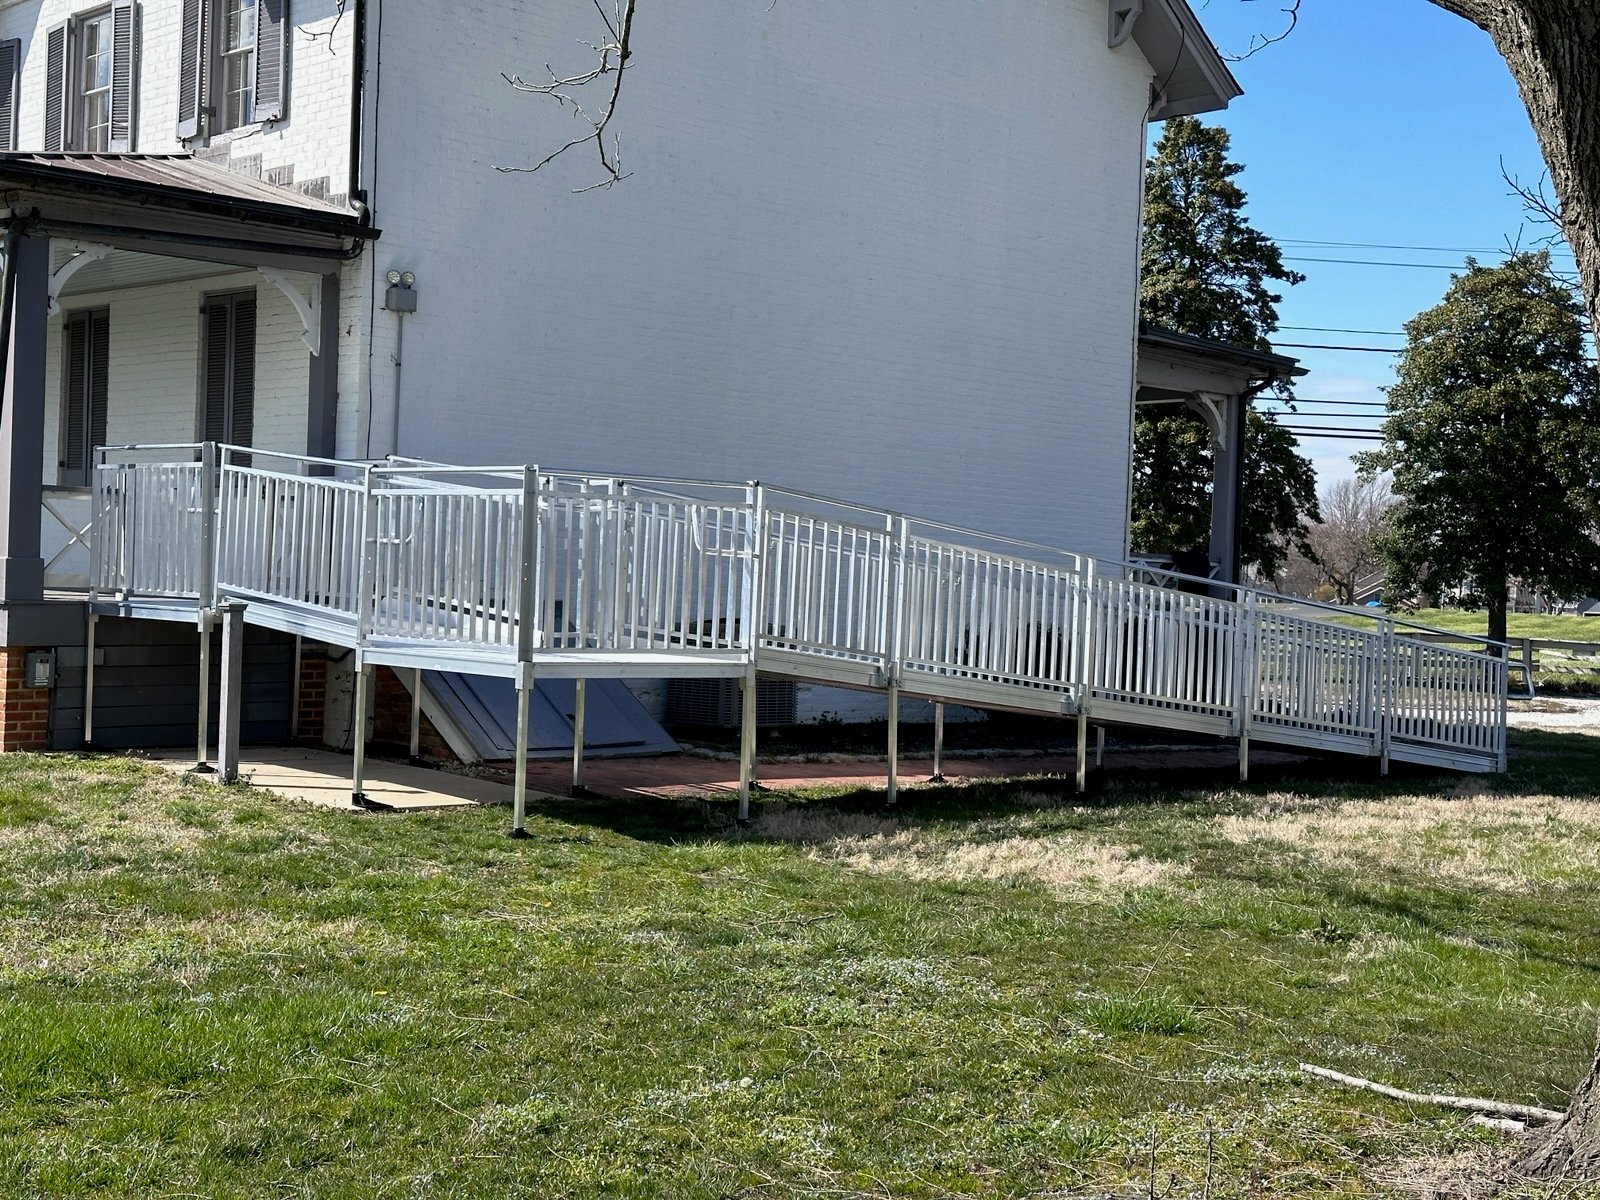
x,y
94,85
239,25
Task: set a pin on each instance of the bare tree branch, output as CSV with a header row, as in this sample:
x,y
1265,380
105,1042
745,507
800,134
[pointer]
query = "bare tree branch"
x,y
1261,41
612,61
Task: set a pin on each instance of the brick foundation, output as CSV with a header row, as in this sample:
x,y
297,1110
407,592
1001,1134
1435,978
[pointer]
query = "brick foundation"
x,y
391,720
24,711
313,698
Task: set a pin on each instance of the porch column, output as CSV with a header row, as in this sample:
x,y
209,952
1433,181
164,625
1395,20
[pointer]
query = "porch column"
x,y
1225,418
1227,509
22,424
323,410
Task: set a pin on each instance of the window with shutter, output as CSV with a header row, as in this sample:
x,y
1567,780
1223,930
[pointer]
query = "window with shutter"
x,y
10,64
85,388
91,81
233,61
228,368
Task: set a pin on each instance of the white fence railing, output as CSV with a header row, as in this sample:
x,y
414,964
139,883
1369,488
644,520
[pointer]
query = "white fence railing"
x,y
514,563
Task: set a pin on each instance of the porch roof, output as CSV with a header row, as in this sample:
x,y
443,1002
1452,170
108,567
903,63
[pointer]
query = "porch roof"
x,y
178,182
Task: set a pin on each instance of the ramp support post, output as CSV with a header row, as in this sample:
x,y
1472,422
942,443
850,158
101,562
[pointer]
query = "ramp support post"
x,y
88,679
1244,758
416,715
1083,753
1099,745
231,709
519,799
580,697
202,736
894,744
294,703
358,724
747,745
938,743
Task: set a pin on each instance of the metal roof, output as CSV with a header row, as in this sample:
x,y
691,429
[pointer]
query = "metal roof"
x,y
179,178
1153,336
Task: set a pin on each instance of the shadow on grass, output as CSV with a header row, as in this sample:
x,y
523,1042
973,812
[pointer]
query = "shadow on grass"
x,y
1558,764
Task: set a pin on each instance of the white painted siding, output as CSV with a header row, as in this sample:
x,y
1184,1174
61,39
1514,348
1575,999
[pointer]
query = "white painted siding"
x,y
153,372
313,139
886,259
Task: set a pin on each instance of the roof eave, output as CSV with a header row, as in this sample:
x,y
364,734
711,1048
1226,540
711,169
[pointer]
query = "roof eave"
x,y
18,174
1178,47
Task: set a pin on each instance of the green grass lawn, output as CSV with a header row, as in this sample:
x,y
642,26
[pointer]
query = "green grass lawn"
x,y
1002,991
1518,625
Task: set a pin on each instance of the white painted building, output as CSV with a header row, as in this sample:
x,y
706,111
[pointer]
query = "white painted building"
x,y
857,253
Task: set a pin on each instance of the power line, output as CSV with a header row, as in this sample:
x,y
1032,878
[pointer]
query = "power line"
x,y
1374,262
1341,403
1392,246
1355,349
1336,436
1334,329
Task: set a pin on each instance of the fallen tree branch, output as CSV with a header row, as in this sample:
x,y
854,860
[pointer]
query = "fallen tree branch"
x,y
1530,1113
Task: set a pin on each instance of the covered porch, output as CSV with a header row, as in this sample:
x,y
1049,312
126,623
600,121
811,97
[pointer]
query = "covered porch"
x,y
146,298
1216,381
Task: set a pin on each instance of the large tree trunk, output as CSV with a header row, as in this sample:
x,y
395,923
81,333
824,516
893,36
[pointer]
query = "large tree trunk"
x,y
1552,47
1571,1147
1497,600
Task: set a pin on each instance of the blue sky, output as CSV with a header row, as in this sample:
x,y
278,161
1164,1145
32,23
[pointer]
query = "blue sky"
x,y
1381,122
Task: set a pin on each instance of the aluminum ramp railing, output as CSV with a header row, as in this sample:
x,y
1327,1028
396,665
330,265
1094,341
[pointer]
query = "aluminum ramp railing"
x,y
520,571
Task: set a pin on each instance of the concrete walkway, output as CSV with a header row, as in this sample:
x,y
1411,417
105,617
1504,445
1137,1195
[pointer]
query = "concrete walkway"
x,y
322,777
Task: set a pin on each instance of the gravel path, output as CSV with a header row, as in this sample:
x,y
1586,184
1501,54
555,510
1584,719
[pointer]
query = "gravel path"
x,y
1557,713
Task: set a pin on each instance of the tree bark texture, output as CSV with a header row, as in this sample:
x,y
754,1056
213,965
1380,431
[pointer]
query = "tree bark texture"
x,y
1571,1147
1553,50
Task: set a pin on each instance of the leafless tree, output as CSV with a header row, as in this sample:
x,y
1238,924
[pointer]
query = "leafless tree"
x,y
1352,513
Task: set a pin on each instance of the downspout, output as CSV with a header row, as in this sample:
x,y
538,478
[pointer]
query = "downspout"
x,y
368,137
1138,324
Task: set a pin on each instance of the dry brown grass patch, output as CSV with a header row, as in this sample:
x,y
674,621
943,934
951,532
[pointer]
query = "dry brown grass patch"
x,y
1063,862
1469,833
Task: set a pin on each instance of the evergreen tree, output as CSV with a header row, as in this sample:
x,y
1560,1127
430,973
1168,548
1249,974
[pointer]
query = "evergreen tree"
x,y
1493,439
1207,272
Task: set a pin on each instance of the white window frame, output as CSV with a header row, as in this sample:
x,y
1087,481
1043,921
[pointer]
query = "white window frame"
x,y
77,72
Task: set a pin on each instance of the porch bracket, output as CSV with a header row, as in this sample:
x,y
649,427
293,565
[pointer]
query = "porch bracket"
x,y
1213,410
1124,15
307,306
87,252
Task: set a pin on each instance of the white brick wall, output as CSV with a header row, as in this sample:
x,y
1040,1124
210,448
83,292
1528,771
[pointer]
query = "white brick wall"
x,y
153,370
889,260
313,138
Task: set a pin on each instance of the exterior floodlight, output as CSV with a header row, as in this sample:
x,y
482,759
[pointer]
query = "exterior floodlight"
x,y
393,277
407,278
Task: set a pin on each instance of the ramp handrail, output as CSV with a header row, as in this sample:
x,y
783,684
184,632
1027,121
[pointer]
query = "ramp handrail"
x,y
513,563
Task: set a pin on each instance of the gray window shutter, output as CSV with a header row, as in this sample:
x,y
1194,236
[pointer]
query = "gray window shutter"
x,y
242,418
228,379
124,74
191,68
214,378
85,394
10,68
272,33
55,88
